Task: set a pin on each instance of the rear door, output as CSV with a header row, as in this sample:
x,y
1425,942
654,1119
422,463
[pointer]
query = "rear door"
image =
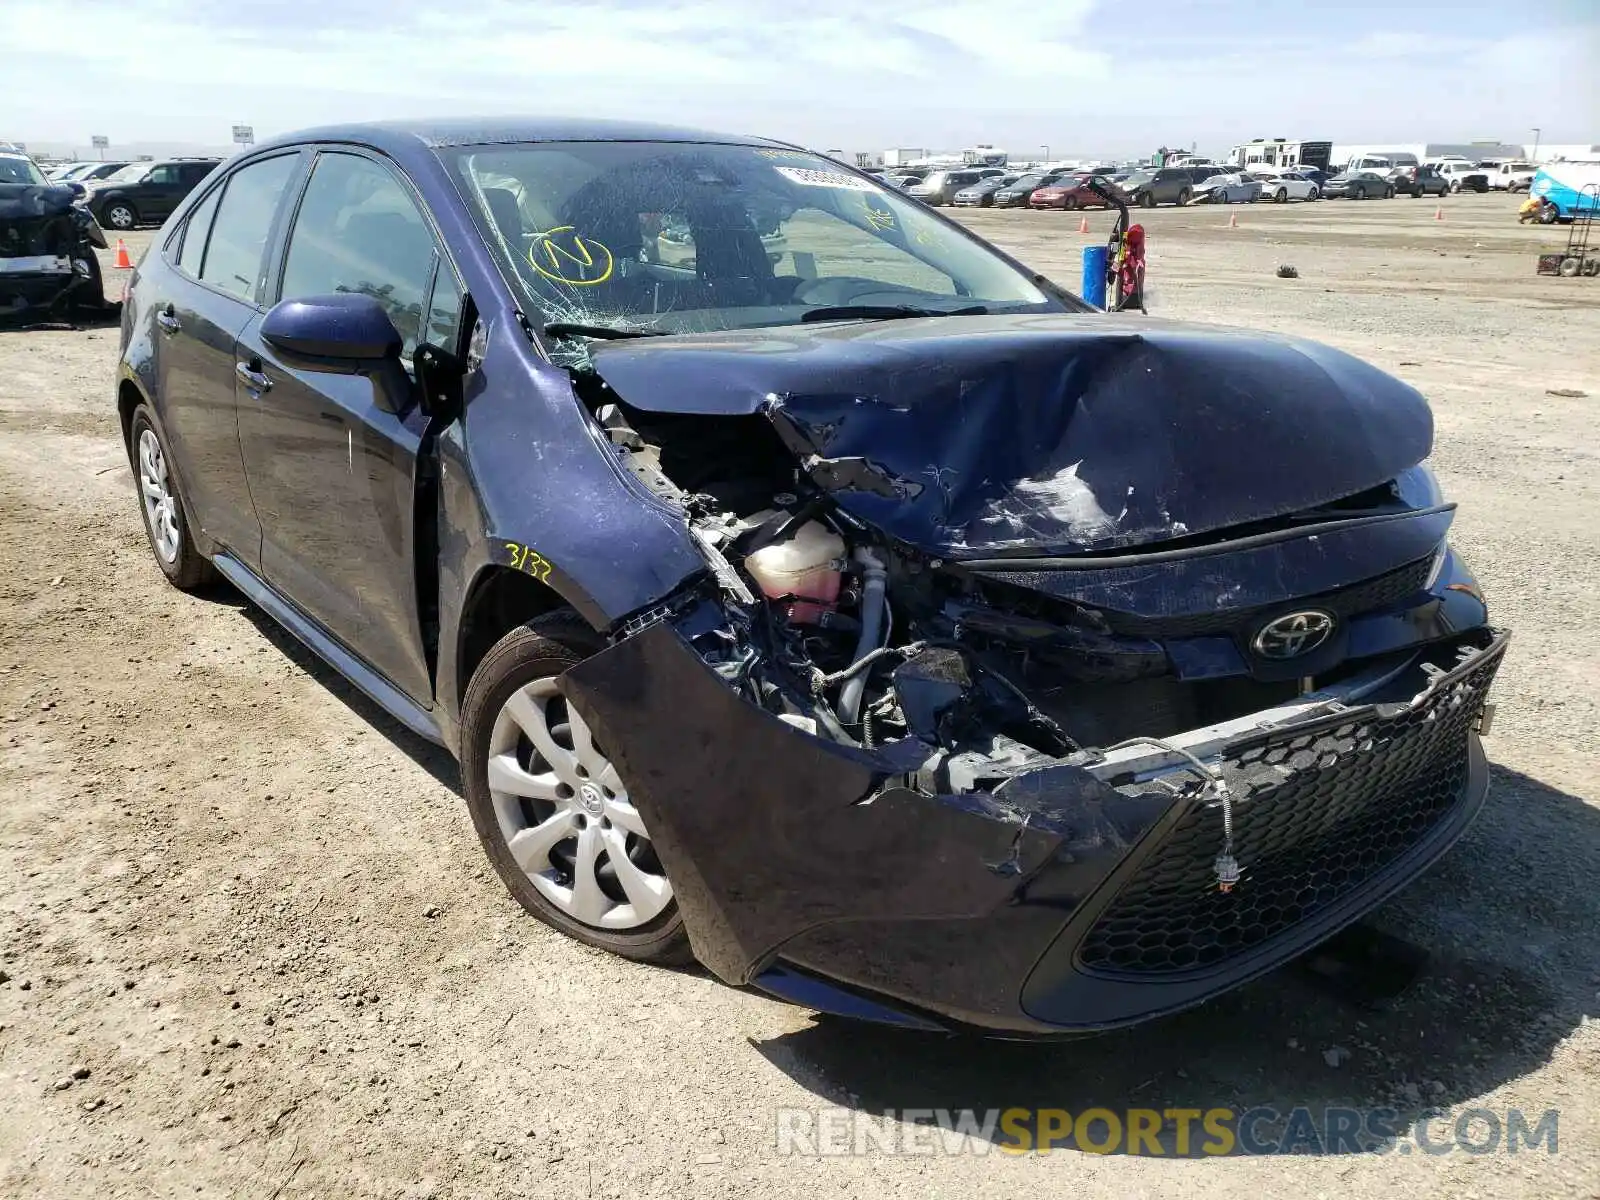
x,y
210,276
331,468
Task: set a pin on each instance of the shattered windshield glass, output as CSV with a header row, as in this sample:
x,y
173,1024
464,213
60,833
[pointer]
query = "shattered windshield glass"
x,y
677,237
17,169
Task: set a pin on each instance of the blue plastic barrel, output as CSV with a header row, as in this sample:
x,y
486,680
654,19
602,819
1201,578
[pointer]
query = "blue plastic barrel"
x,y
1094,275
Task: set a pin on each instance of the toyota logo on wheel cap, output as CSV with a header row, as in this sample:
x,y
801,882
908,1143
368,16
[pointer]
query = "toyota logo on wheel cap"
x,y
1293,634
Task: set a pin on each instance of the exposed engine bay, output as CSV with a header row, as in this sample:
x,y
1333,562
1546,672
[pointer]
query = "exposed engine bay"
x,y
856,637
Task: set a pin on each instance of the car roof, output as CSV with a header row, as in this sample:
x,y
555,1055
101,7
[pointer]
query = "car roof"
x,y
399,136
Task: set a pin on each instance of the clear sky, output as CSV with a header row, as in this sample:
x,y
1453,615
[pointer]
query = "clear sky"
x,y
1084,76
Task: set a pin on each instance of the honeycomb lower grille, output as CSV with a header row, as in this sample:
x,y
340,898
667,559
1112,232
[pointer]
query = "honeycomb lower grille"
x,y
1315,816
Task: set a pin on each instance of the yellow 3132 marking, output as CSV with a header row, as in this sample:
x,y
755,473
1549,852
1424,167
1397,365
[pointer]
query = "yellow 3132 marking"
x,y
526,558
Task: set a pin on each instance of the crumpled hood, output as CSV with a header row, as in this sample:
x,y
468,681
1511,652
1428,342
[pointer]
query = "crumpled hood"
x,y
21,202
1054,433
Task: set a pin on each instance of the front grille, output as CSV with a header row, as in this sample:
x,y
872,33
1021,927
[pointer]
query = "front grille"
x,y
1315,816
1369,595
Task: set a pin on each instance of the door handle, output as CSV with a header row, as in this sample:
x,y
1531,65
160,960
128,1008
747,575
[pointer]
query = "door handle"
x,y
168,320
251,375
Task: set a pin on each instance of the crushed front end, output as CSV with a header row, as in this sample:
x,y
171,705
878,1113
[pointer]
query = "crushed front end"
x,y
1004,756
47,260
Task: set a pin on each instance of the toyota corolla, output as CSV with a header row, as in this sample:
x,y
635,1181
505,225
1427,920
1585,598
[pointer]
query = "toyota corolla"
x,y
807,586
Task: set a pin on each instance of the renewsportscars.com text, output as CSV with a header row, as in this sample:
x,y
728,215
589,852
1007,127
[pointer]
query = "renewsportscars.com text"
x,y
1162,1132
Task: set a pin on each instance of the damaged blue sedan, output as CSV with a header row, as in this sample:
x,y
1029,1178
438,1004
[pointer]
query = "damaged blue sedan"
x,y
807,587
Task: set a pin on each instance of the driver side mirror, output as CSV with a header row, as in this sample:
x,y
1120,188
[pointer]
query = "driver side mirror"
x,y
343,330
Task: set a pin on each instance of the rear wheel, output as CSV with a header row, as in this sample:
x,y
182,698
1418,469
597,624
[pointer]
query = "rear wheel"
x,y
554,815
1570,266
1071,202
1455,187
1388,193
162,507
1281,196
119,215
1548,213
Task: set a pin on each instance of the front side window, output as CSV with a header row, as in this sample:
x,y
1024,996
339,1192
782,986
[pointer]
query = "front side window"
x,y
243,222
358,230
679,237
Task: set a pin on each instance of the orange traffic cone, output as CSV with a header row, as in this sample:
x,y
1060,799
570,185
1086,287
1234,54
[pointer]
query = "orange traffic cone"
x,y
1438,213
1233,220
123,263
1083,224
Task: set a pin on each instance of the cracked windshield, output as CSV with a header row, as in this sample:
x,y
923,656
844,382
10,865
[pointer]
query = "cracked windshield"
x,y
611,239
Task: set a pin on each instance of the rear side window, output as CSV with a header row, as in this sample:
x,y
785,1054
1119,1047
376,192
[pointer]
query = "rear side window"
x,y
193,173
358,230
195,233
163,174
243,222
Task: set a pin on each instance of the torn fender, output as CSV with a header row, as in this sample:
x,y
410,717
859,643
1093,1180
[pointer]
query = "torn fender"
x,y
767,832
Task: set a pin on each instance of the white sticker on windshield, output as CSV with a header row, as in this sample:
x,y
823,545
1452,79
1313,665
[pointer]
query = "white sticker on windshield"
x,y
810,177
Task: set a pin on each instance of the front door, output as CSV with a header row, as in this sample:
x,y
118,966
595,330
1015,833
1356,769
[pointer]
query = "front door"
x,y
331,457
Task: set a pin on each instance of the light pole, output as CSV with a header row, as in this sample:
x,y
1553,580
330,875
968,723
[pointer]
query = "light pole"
x,y
1046,148
1535,143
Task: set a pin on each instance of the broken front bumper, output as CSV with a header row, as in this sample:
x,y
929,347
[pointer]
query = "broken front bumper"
x,y
1069,897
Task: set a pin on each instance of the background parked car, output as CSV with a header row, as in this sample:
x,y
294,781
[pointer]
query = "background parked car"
x,y
1164,185
1069,192
1016,195
146,192
981,194
1358,185
1226,187
941,186
1464,175
1423,180
1286,186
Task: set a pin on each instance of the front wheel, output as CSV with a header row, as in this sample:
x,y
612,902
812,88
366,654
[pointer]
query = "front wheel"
x,y
1281,197
1184,197
1314,194
1148,200
1548,213
1455,187
549,806
162,507
1388,193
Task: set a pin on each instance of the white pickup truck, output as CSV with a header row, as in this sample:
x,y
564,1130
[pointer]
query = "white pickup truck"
x,y
1509,175
1462,174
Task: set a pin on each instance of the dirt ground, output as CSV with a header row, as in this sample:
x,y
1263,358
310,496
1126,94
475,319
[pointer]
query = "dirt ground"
x,y
249,945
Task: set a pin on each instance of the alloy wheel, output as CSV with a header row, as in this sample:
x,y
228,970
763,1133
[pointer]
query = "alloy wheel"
x,y
160,506
119,216
565,814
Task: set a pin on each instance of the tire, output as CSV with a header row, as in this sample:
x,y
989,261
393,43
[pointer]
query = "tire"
x,y
1549,214
1570,266
90,296
1069,204
524,662
1388,193
1455,187
1184,197
166,522
1315,194
1147,200
119,215
1281,196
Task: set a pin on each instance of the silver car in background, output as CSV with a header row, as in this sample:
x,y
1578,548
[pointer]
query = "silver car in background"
x,y
940,187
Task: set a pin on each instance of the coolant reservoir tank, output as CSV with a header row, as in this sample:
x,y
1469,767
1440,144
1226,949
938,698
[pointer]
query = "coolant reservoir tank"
x,y
803,569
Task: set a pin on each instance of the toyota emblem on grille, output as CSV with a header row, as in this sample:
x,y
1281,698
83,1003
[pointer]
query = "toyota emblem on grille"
x,y
1293,634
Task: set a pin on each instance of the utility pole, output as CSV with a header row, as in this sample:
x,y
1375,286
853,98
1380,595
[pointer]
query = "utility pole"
x,y
1535,143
